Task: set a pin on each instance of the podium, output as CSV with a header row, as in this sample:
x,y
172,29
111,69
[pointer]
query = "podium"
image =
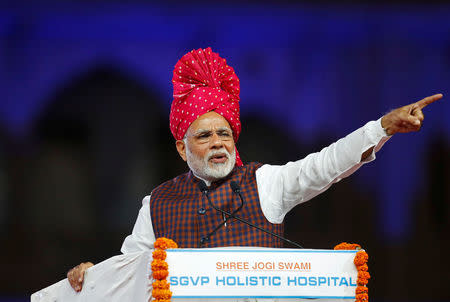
x,y
219,274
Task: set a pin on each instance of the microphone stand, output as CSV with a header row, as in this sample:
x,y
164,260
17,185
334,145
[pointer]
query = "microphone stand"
x,y
236,189
205,190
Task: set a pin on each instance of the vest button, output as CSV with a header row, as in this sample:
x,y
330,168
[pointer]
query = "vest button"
x,y
201,211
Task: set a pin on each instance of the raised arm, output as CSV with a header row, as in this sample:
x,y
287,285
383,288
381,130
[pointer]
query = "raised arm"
x,y
283,187
405,119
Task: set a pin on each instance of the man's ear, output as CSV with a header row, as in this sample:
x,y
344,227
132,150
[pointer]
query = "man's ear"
x,y
181,148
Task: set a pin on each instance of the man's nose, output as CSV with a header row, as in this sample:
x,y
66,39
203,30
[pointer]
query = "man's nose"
x,y
216,141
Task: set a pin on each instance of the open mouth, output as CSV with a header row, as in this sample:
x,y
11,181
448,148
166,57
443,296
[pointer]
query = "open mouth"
x,y
218,158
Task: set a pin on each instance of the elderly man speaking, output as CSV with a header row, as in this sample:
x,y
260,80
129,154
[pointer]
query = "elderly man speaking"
x,y
204,120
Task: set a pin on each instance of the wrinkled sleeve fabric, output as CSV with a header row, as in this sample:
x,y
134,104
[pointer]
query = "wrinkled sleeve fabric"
x,y
283,187
142,238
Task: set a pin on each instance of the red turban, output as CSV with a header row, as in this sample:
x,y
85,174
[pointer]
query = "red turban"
x,y
203,82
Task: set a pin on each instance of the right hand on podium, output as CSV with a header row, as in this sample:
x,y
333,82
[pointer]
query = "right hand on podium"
x,y
76,275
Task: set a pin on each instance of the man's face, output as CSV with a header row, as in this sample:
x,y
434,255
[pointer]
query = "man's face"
x,y
209,147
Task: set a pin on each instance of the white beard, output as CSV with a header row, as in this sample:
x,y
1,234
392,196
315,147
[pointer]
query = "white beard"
x,y
207,170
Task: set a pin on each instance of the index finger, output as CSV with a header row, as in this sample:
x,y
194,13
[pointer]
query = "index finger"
x,y
428,100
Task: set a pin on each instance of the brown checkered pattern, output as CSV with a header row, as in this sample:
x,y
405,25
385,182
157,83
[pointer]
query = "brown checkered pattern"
x,y
181,212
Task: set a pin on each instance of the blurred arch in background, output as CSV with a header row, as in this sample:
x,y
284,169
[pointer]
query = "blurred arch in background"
x,y
95,150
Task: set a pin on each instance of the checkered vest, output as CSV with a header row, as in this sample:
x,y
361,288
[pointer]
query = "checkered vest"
x,y
181,212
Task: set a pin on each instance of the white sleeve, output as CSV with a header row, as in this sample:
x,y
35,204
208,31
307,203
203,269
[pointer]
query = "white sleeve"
x,y
281,188
142,238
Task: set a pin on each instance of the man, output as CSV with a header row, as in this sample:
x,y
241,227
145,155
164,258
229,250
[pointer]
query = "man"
x,y
204,120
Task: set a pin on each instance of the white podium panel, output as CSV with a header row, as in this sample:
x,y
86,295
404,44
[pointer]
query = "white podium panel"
x,y
261,273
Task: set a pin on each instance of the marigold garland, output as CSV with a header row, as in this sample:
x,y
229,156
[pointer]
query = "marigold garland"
x,y
160,270
361,258
362,297
161,294
161,284
160,275
347,246
362,282
158,265
159,254
360,261
363,275
363,268
362,290
163,243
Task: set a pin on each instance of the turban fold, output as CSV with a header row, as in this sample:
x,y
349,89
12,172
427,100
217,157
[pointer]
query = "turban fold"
x,y
203,82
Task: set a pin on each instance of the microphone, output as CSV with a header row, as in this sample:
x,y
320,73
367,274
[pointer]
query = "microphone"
x,y
204,189
236,189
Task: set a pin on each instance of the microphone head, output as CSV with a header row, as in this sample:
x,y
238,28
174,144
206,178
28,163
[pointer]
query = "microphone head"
x,y
202,185
235,187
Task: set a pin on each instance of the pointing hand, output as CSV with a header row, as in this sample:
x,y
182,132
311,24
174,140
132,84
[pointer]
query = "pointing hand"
x,y
408,118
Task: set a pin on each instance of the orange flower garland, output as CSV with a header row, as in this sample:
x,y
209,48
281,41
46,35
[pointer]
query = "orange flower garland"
x,y
160,270
361,258
360,261
347,246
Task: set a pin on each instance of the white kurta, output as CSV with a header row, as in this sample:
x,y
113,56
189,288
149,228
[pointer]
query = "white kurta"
x,y
281,188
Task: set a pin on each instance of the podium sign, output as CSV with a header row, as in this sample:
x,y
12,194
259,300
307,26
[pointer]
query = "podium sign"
x,y
261,273
212,275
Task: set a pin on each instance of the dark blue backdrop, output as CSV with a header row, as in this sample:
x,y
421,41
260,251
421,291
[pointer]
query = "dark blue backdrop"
x,y
309,69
